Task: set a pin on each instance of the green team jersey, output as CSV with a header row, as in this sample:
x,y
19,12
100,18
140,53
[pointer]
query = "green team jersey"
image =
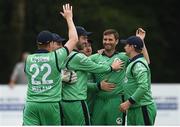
x,y
43,73
91,91
91,83
138,82
115,77
81,64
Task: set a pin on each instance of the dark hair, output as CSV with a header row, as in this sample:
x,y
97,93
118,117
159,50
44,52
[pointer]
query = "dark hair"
x,y
138,50
111,31
43,46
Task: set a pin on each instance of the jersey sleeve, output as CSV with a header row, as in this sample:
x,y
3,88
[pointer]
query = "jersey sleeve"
x,y
61,55
94,57
84,63
141,76
92,86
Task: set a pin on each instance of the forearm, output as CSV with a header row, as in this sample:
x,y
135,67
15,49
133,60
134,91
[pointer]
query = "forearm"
x,y
137,95
142,86
145,53
92,86
73,37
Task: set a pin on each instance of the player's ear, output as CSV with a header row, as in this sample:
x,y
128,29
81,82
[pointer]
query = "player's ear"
x,y
51,45
117,41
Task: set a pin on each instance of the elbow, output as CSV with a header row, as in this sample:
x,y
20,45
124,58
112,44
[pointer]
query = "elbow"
x,y
75,39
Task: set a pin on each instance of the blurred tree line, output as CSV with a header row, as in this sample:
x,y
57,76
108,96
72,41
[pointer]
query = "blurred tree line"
x,y
22,20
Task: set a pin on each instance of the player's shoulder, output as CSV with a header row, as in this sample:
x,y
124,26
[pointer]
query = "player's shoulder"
x,y
140,65
76,56
123,56
61,50
95,55
81,55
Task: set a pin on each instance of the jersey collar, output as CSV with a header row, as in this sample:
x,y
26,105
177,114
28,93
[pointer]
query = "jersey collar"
x,y
104,54
41,51
75,50
136,57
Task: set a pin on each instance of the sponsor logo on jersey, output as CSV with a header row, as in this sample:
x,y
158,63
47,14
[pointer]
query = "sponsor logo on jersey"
x,y
41,88
39,59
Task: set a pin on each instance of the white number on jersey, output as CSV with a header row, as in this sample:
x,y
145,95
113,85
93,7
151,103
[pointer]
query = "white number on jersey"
x,y
44,77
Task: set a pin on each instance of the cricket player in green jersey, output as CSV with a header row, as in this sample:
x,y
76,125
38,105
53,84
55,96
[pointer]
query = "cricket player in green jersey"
x,y
43,73
92,85
67,76
105,110
110,96
139,104
74,96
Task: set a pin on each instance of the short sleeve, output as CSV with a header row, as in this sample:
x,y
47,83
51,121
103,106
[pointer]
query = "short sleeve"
x,y
61,55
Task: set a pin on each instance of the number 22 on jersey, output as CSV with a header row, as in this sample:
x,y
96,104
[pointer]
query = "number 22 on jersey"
x,y
38,71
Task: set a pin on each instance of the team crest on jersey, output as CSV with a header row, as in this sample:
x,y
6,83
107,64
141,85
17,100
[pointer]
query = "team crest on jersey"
x,y
119,120
117,59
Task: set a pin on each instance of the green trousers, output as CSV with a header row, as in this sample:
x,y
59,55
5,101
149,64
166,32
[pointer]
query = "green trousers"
x,y
42,114
144,115
75,112
106,111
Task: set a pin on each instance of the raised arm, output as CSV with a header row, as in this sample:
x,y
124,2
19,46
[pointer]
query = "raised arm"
x,y
73,37
141,33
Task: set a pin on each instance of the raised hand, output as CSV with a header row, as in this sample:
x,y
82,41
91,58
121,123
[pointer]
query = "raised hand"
x,y
67,11
72,33
141,33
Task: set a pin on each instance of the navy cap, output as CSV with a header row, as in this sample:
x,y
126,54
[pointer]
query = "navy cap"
x,y
58,38
135,41
82,32
44,37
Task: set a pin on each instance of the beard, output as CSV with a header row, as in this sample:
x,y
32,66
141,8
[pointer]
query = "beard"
x,y
80,46
109,47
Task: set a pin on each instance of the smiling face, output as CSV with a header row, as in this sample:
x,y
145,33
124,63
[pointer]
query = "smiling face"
x,y
109,42
110,39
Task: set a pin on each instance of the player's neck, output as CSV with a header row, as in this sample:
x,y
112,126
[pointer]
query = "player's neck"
x,y
76,49
133,54
109,52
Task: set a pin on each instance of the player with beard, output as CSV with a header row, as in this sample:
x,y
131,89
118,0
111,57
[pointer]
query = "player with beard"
x,y
75,110
110,95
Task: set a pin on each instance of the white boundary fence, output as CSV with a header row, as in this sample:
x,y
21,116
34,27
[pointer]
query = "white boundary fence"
x,y
167,98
